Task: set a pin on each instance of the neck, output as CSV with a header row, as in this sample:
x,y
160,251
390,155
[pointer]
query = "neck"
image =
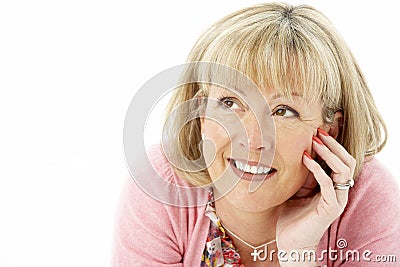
x,y
256,228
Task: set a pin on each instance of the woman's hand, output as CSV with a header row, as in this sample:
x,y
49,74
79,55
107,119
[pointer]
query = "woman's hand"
x,y
303,221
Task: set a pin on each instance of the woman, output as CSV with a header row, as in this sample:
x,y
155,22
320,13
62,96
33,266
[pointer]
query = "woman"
x,y
283,161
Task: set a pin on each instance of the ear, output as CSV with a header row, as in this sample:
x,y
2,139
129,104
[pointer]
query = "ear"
x,y
334,129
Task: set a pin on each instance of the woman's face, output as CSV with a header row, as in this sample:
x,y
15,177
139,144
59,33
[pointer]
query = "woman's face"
x,y
255,160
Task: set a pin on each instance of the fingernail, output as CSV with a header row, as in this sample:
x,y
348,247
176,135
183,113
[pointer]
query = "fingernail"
x,y
307,155
322,132
316,139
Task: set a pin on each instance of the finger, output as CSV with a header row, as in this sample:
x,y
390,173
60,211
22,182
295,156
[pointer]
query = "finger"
x,y
336,200
324,181
333,161
341,172
337,149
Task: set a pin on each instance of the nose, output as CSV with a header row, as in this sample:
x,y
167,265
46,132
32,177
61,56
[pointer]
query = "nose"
x,y
260,133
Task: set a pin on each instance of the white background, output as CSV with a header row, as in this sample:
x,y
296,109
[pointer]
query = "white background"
x,y
68,71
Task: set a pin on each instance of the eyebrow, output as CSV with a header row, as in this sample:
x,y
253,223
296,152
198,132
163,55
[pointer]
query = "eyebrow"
x,y
274,97
235,89
280,95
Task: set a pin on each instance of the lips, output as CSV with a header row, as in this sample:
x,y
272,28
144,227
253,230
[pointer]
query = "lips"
x,y
249,170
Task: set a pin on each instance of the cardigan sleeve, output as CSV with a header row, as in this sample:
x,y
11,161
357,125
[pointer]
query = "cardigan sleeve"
x,y
144,234
368,232
149,232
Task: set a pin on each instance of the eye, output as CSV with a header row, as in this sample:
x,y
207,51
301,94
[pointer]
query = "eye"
x,y
229,103
285,111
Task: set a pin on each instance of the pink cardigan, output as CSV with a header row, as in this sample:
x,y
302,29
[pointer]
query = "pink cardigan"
x,y
149,233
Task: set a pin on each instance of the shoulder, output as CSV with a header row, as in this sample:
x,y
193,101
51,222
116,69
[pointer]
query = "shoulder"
x,y
153,173
372,167
371,219
150,227
154,179
374,197
374,185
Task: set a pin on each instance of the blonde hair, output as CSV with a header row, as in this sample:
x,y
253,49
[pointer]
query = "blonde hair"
x,y
286,48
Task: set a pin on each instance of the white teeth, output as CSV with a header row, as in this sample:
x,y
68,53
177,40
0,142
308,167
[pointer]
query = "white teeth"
x,y
251,169
247,168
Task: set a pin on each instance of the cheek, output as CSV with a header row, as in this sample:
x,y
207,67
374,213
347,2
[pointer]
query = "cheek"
x,y
290,146
216,133
217,142
216,146
292,142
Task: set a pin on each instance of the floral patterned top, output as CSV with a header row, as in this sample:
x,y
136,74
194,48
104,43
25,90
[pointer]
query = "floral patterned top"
x,y
219,249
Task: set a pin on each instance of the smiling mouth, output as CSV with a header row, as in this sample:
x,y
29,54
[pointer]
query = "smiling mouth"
x,y
251,170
